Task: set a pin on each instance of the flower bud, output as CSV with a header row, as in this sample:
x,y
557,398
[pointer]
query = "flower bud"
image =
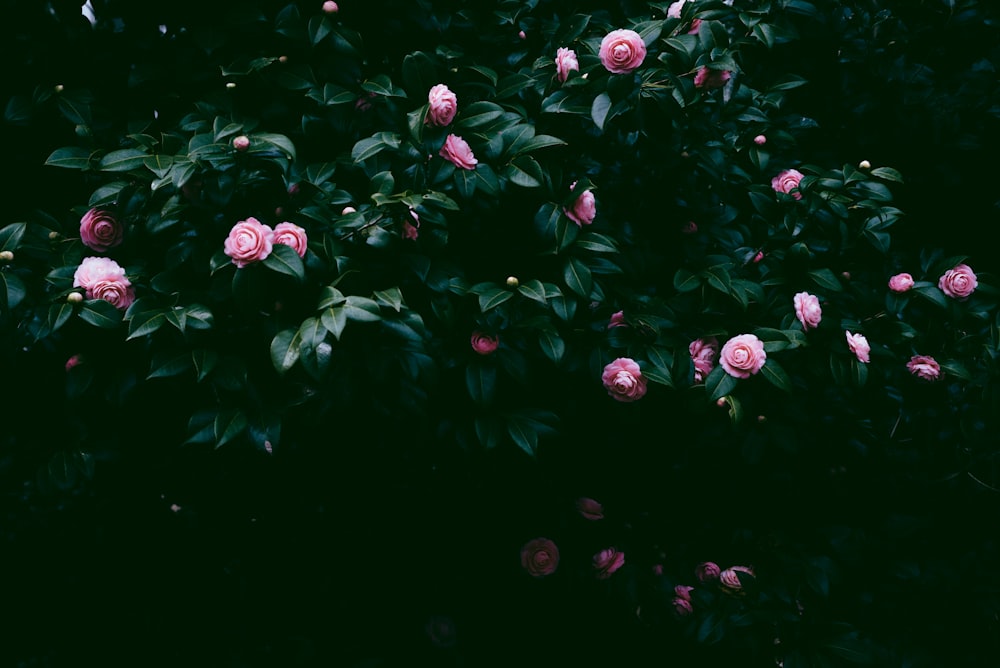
x,y
74,298
760,140
720,402
53,235
58,88
512,282
330,7
241,143
846,275
761,418
6,256
758,257
521,35
347,210
230,85
282,59
864,164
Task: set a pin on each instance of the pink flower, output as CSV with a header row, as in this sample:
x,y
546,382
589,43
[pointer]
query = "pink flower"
x,y
674,10
116,291
623,380
584,209
249,241
443,105
289,234
565,63
622,51
100,230
348,210
682,607
707,571
703,353
73,362
103,278
743,355
859,346
958,282
521,35
924,367
695,27
411,230
760,140
607,562
807,310
540,557
786,181
730,579
617,320
330,7
241,143
683,591
758,257
589,509
710,79
901,282
441,631
484,344
456,150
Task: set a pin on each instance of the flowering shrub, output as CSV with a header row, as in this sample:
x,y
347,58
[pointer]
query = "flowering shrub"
x,y
592,245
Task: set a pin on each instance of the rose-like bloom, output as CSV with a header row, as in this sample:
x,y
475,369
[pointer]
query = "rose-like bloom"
x,y
710,79
622,51
100,230
683,591
682,607
441,631
617,320
443,105
730,579
742,355
540,557
116,291
707,571
584,209
807,310
249,241
760,140
901,282
289,234
589,509
859,346
457,151
786,181
566,62
623,380
703,353
924,367
607,562
94,269
674,10
484,344
958,282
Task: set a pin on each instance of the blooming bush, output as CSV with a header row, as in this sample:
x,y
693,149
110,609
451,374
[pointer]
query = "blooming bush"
x,y
355,251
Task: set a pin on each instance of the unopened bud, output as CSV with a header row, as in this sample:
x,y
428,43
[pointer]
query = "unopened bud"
x,y
330,7
846,275
279,211
58,88
6,256
758,257
347,210
720,402
864,164
522,35
512,282
761,418
241,143
230,85
74,298
760,140
282,59
53,235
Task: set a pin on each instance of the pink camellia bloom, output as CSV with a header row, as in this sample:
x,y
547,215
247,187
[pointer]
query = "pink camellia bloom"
x,y
442,106
730,580
707,571
566,62
742,356
457,151
72,362
412,230
683,591
249,241
584,209
924,367
807,310
901,282
100,230
859,346
786,181
589,509
617,320
241,143
484,344
116,291
703,353
622,51
682,607
540,557
674,10
441,631
623,380
760,140
103,278
330,7
289,234
758,257
606,562
710,79
958,282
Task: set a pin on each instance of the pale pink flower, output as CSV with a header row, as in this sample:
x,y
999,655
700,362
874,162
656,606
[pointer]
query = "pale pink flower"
x,y
330,7
289,234
606,562
94,269
116,291
348,210
807,310
484,344
622,51
709,79
786,181
958,282
901,282
442,106
742,356
623,380
859,346
924,367
760,140
730,580
703,353
540,557
584,208
249,241
589,509
566,62
457,151
100,230
674,10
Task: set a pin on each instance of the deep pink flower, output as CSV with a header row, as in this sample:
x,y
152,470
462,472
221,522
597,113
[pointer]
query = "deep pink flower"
x,y
606,562
743,356
73,362
901,282
703,353
924,367
709,79
584,209
589,509
682,607
484,344
707,571
540,557
786,181
730,579
617,320
100,230
683,591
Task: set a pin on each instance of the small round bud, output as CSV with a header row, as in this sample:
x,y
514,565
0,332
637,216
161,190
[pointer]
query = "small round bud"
x,y
279,211
521,35
230,85
282,59
864,164
720,402
846,275
6,256
685,154
53,235
758,257
347,210
330,7
58,88
512,282
241,143
74,298
760,140
761,418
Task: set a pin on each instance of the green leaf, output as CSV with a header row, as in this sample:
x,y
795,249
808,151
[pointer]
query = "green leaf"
x,y
533,289
932,294
366,148
229,425
123,160
11,236
69,157
204,361
418,74
481,381
776,375
686,281
719,383
599,110
391,297
887,174
525,172
284,260
100,313
523,434
285,350
58,315
164,366
578,277
492,298
478,114
539,141
12,290
334,319
826,279
362,309
280,142
380,84
145,323
552,345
